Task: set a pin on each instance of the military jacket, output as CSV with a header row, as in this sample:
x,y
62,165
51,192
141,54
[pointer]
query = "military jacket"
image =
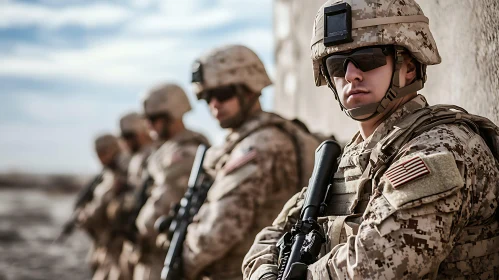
x,y
255,173
137,166
170,167
430,214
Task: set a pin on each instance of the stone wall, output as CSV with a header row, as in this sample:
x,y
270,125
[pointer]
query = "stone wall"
x,y
467,34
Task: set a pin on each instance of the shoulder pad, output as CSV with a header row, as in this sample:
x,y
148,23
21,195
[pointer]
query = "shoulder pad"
x,y
419,179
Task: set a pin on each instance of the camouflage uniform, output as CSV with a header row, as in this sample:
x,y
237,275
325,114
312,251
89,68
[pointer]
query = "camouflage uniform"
x,y
102,216
414,200
439,225
255,172
134,123
169,167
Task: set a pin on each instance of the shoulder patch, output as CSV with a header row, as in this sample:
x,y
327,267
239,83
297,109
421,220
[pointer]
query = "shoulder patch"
x,y
407,171
236,162
437,176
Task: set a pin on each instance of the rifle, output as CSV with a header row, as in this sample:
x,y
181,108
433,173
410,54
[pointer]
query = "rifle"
x,y
301,247
140,201
85,195
197,190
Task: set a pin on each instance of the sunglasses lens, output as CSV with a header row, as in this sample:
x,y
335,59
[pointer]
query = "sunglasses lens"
x,y
128,135
365,59
221,94
334,65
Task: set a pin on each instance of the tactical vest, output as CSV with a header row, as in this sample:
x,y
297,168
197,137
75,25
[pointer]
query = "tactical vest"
x,y
350,198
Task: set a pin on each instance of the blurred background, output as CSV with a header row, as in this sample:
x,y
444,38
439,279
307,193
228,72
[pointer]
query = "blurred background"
x,y
69,69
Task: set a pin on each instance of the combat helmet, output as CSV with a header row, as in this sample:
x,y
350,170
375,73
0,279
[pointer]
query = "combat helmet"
x,y
133,122
232,66
344,25
107,144
166,99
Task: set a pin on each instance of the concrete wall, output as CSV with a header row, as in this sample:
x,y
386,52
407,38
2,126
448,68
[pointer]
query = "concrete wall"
x,y
467,35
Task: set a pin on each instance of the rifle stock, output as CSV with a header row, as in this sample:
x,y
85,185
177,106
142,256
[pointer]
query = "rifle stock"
x,y
301,247
197,190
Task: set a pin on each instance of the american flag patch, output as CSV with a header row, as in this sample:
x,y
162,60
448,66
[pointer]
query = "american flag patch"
x,y
235,164
407,171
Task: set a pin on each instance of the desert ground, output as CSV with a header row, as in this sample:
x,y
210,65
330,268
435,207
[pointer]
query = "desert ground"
x,y
30,220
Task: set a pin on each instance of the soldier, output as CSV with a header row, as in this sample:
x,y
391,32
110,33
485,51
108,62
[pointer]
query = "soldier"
x,y
415,194
135,131
255,172
169,167
99,215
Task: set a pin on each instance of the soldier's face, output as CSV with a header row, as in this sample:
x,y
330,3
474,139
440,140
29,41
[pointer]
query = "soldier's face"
x,y
131,141
224,110
359,88
105,158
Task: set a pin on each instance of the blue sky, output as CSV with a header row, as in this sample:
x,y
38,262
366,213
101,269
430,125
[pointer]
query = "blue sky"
x,y
70,68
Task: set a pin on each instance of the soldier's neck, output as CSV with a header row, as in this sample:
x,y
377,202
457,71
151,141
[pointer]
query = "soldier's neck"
x,y
368,127
176,128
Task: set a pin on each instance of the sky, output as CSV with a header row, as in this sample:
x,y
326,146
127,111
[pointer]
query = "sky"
x,y
70,68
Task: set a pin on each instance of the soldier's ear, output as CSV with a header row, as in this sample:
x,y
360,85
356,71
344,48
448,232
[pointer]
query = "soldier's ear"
x,y
411,72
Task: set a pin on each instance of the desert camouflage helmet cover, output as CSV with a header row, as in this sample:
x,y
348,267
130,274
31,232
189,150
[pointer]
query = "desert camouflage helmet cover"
x,y
381,22
107,143
227,65
166,99
132,123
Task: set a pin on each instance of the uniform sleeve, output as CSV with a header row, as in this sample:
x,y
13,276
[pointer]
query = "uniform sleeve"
x,y
229,213
418,209
177,168
93,214
262,258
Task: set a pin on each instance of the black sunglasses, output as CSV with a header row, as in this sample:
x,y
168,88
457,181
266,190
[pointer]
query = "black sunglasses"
x,y
153,118
366,59
128,135
221,94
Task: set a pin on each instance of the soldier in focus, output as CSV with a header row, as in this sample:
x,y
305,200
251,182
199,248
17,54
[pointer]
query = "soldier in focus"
x,y
263,162
169,167
135,131
416,191
99,216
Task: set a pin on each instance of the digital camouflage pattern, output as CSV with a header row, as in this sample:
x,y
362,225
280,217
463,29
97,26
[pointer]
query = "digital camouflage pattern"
x,y
414,36
440,225
229,65
255,173
170,167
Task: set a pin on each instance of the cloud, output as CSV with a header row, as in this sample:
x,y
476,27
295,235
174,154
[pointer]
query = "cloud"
x,y
136,62
92,84
14,14
194,22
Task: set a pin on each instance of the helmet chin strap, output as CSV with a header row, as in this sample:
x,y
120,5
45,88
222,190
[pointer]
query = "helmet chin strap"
x,y
394,92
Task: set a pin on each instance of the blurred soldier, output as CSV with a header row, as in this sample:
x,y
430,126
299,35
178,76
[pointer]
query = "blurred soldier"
x,y
99,215
135,131
264,161
169,167
415,194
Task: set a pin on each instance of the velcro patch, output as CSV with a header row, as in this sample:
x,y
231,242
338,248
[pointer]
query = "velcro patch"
x,y
240,161
407,171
